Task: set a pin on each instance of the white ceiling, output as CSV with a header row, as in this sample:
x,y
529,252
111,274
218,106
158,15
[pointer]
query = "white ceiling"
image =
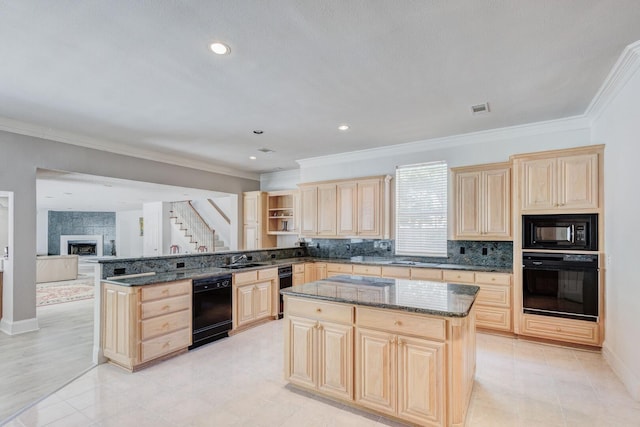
x,y
137,77
60,191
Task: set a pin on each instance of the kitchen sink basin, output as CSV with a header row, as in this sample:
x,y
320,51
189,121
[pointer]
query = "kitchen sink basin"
x,y
238,266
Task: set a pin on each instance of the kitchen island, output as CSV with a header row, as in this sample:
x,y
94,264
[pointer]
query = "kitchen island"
x,y
401,348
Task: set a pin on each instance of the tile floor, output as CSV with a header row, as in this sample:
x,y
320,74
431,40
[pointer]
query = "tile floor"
x,y
238,382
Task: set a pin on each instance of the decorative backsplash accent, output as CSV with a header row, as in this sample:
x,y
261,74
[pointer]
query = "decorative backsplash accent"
x,y
190,261
498,254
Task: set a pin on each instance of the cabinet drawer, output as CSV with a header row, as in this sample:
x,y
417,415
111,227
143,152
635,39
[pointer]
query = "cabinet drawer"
x,y
165,306
576,331
156,326
266,274
245,277
320,310
494,295
148,293
493,318
426,274
164,344
298,268
339,268
367,270
455,276
397,272
402,323
494,278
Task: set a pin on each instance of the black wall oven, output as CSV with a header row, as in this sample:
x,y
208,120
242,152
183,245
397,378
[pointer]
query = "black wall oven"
x,y
560,232
561,285
285,276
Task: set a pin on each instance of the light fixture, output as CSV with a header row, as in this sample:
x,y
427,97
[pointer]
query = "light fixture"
x,y
266,150
258,132
480,109
252,157
343,128
220,48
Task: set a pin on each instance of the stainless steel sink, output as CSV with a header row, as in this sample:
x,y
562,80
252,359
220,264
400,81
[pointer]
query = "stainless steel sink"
x,y
238,266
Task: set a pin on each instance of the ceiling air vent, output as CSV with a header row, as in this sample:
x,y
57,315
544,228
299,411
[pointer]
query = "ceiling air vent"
x,y
266,150
480,109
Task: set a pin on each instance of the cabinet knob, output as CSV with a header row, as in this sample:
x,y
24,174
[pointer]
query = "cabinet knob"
x,y
165,326
318,310
397,323
165,308
558,329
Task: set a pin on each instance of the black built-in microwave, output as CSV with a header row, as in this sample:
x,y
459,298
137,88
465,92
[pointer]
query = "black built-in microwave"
x,y
560,232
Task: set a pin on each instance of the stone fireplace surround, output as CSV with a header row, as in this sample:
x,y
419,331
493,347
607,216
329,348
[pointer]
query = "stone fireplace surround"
x,y
81,238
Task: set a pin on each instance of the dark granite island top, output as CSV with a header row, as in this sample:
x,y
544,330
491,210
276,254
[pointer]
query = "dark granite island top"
x,y
416,296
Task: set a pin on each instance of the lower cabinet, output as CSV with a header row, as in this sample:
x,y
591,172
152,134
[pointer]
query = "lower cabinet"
x,y
298,274
145,323
555,328
254,296
319,347
400,375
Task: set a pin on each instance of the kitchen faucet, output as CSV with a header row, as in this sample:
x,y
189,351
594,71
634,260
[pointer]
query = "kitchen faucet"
x,y
237,258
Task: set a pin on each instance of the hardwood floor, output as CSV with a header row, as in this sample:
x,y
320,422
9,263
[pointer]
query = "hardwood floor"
x,y
35,364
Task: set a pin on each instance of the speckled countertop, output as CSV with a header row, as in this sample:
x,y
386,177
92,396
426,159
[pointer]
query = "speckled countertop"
x,y
219,271
416,296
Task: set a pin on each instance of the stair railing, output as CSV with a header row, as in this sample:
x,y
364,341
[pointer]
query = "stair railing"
x,y
201,235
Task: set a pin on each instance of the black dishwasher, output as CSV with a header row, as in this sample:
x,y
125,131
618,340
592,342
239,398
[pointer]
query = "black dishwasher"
x,y
211,309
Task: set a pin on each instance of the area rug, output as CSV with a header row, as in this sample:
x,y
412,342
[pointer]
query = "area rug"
x,y
64,291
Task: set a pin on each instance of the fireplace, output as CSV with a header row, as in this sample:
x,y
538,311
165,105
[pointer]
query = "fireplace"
x,y
82,248
81,245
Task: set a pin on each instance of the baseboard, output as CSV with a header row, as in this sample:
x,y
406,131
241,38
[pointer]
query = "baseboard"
x,y
19,327
628,378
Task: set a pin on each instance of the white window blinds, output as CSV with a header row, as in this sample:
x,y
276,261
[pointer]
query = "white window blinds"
x,y
421,209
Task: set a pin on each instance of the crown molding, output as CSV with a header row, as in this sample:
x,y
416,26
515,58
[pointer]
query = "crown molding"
x,y
65,137
530,129
627,65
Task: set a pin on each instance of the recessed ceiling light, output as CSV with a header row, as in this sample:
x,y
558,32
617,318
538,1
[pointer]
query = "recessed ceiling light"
x,y
220,48
68,194
265,150
343,127
252,157
258,132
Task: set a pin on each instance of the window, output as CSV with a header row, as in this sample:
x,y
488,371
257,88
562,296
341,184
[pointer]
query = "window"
x,y
421,209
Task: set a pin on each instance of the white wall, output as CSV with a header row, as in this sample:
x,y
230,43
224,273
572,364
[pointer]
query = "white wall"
x,y
619,128
4,223
128,238
228,205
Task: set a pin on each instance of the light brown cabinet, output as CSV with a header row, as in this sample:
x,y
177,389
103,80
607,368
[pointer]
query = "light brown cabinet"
x,y
147,323
298,274
483,202
255,296
567,182
346,208
315,271
255,221
557,329
319,346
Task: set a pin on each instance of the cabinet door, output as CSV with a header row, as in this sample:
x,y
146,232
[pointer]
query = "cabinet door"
x,y
420,380
496,203
376,370
335,360
347,209
299,351
327,209
369,208
578,181
468,204
251,237
539,184
245,304
119,304
262,299
298,279
251,207
309,210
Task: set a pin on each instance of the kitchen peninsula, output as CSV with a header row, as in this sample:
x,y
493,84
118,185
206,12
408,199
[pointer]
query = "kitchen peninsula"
x,y
401,348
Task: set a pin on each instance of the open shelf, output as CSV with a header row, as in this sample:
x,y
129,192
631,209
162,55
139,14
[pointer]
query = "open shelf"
x,y
281,213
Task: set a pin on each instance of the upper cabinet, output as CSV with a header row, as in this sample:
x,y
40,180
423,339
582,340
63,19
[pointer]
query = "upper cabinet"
x,y
282,217
482,202
349,208
560,182
254,221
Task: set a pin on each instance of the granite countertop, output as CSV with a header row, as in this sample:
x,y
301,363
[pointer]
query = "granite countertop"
x,y
153,278
416,296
